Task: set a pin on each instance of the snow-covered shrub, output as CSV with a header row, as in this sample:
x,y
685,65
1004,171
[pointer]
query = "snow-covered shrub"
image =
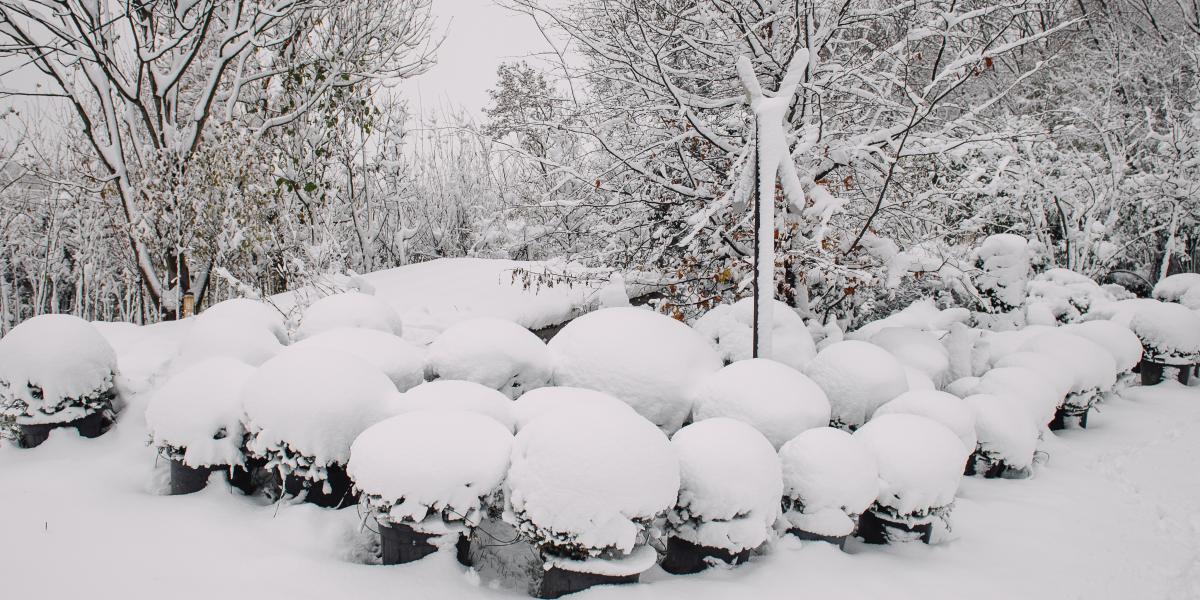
x,y
1173,288
402,361
1005,262
584,486
857,378
547,400
1120,342
1028,388
917,349
729,328
451,394
1065,294
964,386
730,484
923,315
998,344
921,464
1169,332
829,479
1092,368
943,407
196,416
432,470
644,358
918,380
248,313
1191,298
55,369
775,399
305,407
493,352
349,309
228,338
1054,371
1007,437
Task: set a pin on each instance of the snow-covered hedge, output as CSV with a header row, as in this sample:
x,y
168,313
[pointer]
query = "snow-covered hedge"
x,y
829,479
729,328
1064,295
430,469
943,407
857,377
730,484
196,416
305,407
1170,333
775,399
1056,372
401,361
450,394
916,349
1092,368
1007,437
492,352
644,358
349,309
547,400
587,484
55,369
1029,389
1121,343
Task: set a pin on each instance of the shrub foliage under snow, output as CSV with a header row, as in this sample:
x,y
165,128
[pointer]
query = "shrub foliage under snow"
x,y
196,416
55,369
829,479
729,328
492,352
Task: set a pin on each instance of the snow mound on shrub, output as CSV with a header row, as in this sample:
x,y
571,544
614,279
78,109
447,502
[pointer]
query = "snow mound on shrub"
x,y
963,386
920,461
247,313
1191,298
1005,261
450,394
1173,287
546,400
922,314
1028,388
62,355
1090,364
646,359
492,352
229,338
315,402
349,309
1120,342
1005,431
999,344
590,478
199,410
917,349
918,380
729,328
945,408
1066,294
466,459
730,484
401,361
1170,333
831,478
775,399
1056,372
857,378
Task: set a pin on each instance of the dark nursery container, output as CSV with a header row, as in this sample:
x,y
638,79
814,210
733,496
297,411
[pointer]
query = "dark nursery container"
x,y
558,582
90,426
684,557
341,488
874,529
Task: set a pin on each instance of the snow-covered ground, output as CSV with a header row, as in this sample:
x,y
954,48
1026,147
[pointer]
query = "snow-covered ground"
x,y
1111,512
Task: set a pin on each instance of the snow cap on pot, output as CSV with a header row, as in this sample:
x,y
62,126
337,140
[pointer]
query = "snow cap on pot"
x,y
495,353
546,400
644,358
196,416
775,399
1173,288
402,361
1170,333
249,313
349,309
213,337
943,407
857,377
1120,341
1027,388
916,349
1092,368
1007,437
729,328
449,394
829,479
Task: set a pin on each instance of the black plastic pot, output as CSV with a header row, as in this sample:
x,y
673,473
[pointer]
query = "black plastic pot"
x,y
188,480
250,477
1061,415
400,543
808,536
341,489
684,557
1153,373
91,426
558,582
983,467
874,529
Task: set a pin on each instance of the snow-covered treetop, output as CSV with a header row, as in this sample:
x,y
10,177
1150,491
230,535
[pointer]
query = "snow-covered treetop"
x,y
730,484
775,399
729,327
402,361
830,476
199,411
349,309
451,394
644,358
492,352
49,359
920,461
430,464
857,378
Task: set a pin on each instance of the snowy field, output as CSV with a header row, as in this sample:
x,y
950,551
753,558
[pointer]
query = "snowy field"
x,y
1110,512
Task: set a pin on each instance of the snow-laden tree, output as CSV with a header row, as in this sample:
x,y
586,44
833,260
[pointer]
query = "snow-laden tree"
x,y
152,83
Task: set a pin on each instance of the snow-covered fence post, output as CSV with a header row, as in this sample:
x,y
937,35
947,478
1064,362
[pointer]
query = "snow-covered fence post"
x,y
771,155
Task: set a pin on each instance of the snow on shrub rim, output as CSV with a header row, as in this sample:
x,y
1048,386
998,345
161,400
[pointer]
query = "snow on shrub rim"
x,y
55,369
775,399
492,352
585,484
196,416
401,361
437,466
829,479
349,309
451,394
730,485
646,359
